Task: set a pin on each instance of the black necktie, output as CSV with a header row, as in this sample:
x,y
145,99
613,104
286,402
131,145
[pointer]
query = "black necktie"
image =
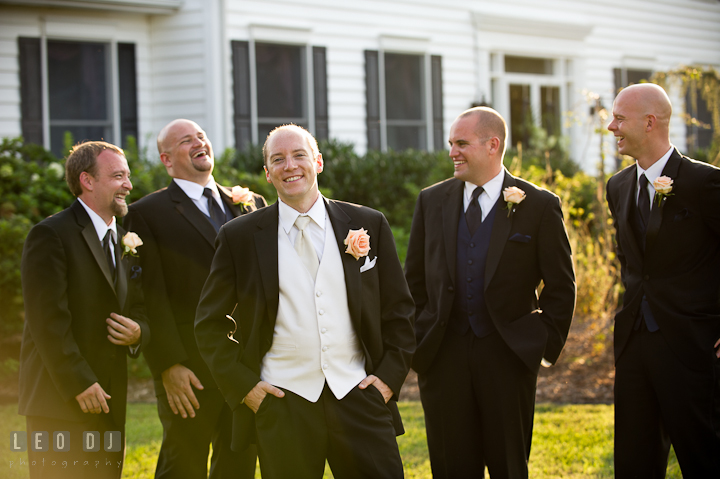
x,y
643,203
109,249
216,213
473,213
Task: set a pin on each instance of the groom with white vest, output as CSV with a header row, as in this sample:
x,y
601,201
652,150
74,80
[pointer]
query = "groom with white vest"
x,y
320,338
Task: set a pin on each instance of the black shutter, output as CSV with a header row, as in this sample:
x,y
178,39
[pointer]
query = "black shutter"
x,y
30,89
127,79
437,101
241,93
321,100
372,94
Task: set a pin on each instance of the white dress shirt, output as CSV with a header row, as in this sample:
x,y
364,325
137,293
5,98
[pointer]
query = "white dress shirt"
x,y
489,196
195,193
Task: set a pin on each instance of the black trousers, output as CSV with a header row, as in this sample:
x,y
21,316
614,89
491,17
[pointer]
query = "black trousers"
x,y
186,442
479,401
355,435
75,463
659,401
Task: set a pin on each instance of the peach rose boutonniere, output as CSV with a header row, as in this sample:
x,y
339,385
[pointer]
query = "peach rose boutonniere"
x,y
241,196
130,243
358,243
663,188
513,196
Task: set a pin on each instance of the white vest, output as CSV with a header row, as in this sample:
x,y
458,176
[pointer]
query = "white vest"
x,y
314,340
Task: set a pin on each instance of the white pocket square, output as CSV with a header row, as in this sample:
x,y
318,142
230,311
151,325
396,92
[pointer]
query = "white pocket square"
x,y
368,264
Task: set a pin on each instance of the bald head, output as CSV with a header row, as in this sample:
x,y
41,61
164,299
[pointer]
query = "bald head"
x,y
488,123
186,151
641,123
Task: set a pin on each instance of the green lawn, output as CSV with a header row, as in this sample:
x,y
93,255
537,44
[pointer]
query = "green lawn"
x,y
570,442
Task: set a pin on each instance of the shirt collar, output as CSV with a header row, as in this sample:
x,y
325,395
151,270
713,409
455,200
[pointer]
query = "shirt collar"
x,y
492,188
194,190
288,214
656,168
100,227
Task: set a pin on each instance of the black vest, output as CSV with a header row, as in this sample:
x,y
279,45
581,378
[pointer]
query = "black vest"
x,y
469,308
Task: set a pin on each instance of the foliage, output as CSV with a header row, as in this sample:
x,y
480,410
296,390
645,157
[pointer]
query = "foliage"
x,y
31,188
705,83
569,441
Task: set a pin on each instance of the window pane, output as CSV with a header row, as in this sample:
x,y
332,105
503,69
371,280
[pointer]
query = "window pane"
x,y
265,128
541,66
403,87
77,81
280,81
550,109
403,137
79,133
520,114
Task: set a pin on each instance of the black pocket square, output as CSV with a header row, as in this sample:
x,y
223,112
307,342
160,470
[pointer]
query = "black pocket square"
x,y
682,215
520,238
135,272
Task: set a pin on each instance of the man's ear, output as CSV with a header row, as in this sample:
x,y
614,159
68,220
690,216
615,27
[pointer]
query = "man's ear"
x,y
267,174
86,181
165,158
320,163
494,145
651,122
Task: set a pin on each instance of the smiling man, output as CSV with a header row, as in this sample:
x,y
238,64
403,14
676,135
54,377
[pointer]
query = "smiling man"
x,y
322,326
179,225
480,245
83,316
667,335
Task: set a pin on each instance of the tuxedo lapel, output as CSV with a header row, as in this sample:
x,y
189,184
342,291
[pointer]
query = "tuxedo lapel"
x,y
121,284
500,233
266,246
91,238
185,206
656,213
627,189
341,224
451,208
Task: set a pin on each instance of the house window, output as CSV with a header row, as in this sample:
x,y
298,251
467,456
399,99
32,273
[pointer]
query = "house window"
x,y
629,76
77,92
404,103
531,91
277,88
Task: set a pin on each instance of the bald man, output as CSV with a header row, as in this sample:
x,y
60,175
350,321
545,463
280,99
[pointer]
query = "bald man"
x,y
666,209
178,225
480,244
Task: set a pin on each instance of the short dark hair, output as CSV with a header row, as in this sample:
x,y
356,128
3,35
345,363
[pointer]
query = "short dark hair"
x,y
83,157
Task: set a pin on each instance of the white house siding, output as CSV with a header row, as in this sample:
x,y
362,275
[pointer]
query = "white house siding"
x,y
185,70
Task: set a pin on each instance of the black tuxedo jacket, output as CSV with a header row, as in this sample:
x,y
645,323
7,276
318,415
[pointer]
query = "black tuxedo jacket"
x,y
679,272
179,244
526,246
244,278
69,292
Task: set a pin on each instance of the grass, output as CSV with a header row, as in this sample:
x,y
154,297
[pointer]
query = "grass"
x,y
569,442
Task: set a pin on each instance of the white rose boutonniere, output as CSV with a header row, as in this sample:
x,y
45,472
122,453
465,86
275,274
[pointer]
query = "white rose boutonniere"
x,y
513,196
663,188
358,243
130,243
241,196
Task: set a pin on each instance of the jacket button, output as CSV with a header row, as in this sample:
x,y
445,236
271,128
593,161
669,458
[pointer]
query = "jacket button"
x,y
443,323
646,277
451,289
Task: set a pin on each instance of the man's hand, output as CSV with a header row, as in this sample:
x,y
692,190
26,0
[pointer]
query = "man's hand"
x,y
178,381
379,384
123,331
257,394
93,400
717,345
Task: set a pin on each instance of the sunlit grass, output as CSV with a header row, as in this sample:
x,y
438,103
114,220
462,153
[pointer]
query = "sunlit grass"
x,y
569,442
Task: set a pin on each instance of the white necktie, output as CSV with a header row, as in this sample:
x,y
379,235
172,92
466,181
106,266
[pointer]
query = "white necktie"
x,y
304,246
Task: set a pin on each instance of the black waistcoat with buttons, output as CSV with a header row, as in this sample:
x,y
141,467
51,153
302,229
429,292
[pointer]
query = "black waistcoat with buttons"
x,y
469,308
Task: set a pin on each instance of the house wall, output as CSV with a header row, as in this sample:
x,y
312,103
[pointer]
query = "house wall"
x,y
184,59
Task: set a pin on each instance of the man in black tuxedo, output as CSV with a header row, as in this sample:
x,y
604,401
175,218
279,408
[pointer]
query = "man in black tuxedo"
x,y
667,372
178,225
323,335
480,244
83,315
